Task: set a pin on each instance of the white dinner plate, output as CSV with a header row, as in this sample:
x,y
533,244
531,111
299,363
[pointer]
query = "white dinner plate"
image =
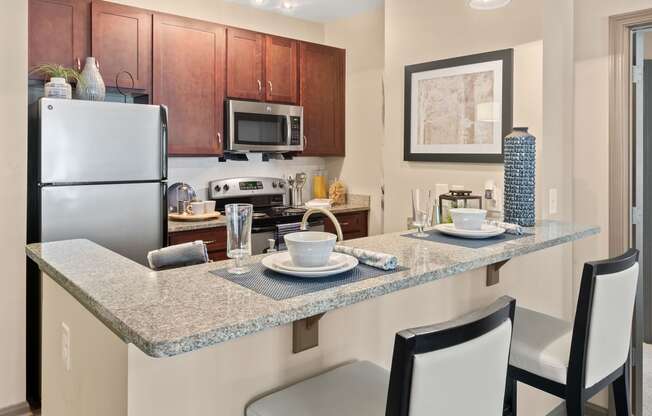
x,y
336,261
273,262
487,231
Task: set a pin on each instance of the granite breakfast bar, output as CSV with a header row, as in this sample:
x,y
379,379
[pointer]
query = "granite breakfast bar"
x,y
155,343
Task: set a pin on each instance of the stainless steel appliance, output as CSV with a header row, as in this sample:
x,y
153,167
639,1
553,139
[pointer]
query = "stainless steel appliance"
x,y
263,127
97,170
272,216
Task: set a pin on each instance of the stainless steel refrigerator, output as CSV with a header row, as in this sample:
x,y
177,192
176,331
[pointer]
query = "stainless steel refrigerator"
x,y
96,170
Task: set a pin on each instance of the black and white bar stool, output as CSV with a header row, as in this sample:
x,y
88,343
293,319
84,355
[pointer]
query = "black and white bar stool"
x,y
454,368
575,361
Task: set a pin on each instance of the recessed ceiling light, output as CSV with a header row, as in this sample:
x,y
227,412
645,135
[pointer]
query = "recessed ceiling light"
x,y
488,4
259,2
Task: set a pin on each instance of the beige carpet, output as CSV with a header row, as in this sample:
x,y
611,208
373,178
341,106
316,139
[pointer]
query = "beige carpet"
x,y
647,379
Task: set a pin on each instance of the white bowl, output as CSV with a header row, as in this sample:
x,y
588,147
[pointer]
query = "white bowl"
x,y
310,248
468,218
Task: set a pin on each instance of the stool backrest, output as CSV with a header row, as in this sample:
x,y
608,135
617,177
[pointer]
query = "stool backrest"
x,y
457,367
603,321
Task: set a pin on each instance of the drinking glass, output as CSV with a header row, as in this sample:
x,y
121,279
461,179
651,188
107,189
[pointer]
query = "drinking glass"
x,y
423,204
238,234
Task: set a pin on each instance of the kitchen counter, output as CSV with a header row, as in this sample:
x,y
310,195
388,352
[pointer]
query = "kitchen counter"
x,y
354,203
171,312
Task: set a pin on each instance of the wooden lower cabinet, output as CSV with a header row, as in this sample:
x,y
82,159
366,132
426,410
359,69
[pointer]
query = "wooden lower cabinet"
x,y
354,224
215,239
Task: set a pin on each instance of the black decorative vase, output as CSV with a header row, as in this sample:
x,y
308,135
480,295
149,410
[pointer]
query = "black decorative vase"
x,y
520,168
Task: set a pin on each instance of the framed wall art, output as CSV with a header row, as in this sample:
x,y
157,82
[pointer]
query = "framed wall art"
x,y
459,109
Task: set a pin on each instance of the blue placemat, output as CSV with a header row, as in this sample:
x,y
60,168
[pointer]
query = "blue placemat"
x,y
437,237
279,286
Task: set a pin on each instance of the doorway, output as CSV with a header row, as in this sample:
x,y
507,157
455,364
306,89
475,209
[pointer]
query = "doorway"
x,y
641,218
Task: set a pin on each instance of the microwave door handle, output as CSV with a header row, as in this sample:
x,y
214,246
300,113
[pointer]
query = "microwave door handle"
x,y
289,129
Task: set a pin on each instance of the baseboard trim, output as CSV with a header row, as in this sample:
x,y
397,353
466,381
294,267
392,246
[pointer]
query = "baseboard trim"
x,y
20,409
591,410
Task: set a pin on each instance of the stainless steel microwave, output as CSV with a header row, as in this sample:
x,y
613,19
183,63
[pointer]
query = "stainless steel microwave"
x,y
263,127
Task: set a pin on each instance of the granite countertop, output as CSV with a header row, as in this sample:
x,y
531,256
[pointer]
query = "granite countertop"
x,y
354,203
175,311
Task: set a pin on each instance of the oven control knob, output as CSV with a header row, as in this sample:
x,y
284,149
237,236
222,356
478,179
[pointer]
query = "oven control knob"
x,y
274,184
281,184
225,187
217,188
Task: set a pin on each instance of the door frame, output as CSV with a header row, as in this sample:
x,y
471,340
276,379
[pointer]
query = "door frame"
x,y
621,146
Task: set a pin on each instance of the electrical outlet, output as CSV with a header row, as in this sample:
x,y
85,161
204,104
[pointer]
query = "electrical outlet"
x,y
552,201
65,346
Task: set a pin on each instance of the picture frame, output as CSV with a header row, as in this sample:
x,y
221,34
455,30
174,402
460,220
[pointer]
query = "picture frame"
x,y
459,109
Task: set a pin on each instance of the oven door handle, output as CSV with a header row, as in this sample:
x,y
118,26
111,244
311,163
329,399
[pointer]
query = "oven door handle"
x,y
263,229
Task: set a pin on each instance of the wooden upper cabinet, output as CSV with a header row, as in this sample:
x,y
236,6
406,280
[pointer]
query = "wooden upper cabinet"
x,y
189,75
121,40
58,32
322,75
281,68
244,64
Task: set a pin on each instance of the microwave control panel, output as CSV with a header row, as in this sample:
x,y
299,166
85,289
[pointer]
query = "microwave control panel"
x,y
295,131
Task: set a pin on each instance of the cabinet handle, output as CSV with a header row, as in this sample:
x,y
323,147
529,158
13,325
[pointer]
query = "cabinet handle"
x,y
78,64
260,86
209,242
219,137
305,142
271,87
344,223
97,63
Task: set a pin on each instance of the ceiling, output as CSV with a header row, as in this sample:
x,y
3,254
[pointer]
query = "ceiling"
x,y
315,10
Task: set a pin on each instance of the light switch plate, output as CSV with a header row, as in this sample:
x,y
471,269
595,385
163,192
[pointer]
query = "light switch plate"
x,y
552,201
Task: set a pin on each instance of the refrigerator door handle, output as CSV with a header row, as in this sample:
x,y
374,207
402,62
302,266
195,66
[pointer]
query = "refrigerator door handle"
x,y
164,142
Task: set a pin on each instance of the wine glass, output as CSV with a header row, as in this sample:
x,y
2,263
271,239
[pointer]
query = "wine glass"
x,y
422,208
238,231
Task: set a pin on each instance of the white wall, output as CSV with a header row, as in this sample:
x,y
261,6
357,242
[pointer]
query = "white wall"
x,y
591,140
13,174
363,37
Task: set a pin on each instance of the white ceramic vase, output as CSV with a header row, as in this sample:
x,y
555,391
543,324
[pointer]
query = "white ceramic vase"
x,y
91,86
58,88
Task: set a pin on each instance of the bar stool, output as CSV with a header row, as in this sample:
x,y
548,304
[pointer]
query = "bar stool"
x,y
454,368
576,361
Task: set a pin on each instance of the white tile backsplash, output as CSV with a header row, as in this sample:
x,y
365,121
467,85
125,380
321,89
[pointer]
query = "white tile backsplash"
x,y
198,171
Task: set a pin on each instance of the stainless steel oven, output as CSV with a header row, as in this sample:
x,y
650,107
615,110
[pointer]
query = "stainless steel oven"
x,y
263,127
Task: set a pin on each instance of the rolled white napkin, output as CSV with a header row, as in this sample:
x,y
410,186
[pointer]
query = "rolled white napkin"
x,y
509,228
370,258
178,255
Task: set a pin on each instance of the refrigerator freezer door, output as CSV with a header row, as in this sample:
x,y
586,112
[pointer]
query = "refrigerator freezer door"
x,y
86,141
125,218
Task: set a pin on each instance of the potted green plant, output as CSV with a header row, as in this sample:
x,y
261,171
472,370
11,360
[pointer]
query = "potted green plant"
x,y
59,77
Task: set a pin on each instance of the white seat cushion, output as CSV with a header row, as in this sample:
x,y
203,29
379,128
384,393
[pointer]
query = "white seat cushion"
x,y
357,389
541,344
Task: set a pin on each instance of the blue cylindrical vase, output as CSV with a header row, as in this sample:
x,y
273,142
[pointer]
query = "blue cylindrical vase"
x,y
520,167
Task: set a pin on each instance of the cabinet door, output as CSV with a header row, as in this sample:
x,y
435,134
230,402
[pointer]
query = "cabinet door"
x,y
189,66
322,72
354,225
244,66
121,40
214,238
58,32
281,67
